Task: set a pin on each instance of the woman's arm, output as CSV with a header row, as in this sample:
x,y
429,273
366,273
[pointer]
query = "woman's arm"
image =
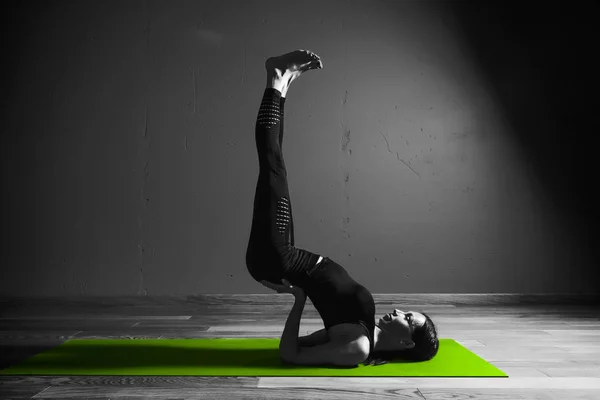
x,y
288,345
316,338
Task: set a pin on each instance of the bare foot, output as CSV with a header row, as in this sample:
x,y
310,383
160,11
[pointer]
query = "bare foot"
x,y
293,64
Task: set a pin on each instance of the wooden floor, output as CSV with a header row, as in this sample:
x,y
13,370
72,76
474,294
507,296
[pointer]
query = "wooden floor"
x,y
548,345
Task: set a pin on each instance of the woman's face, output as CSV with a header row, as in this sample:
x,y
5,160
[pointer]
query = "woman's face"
x,y
400,325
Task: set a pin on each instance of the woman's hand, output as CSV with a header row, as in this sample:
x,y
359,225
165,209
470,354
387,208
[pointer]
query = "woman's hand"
x,y
285,288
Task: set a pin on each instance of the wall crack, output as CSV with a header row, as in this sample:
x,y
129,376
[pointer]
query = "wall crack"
x,y
398,155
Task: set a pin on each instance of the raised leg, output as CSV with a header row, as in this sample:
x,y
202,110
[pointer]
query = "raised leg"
x,y
271,245
281,126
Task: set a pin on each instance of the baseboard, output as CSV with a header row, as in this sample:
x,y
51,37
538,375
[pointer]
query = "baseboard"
x,y
108,304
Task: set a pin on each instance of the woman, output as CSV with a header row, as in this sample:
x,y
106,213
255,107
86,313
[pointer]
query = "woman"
x,y
346,307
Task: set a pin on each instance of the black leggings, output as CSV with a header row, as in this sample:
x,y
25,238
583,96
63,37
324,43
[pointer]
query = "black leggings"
x,y
271,254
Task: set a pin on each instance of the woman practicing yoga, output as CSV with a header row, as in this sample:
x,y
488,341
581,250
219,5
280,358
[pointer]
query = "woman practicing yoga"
x,y
347,308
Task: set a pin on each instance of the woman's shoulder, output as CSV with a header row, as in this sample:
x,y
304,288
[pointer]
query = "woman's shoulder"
x,y
351,333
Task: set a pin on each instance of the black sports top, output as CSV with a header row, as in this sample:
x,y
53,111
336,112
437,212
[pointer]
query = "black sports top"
x,y
340,299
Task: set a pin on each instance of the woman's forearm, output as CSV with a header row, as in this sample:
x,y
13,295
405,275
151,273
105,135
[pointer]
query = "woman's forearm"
x,y
288,346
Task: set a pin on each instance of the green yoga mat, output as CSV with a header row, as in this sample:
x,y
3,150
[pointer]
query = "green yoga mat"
x,y
227,357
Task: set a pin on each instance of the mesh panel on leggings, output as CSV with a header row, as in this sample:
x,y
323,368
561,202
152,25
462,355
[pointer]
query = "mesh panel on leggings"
x,y
283,214
269,113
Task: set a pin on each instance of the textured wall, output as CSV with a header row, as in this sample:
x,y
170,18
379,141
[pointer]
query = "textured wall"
x,y
444,148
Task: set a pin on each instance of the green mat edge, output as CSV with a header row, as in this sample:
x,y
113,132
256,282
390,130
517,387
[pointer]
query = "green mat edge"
x,y
5,371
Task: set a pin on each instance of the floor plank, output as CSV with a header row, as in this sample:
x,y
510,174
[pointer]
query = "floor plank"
x,y
430,383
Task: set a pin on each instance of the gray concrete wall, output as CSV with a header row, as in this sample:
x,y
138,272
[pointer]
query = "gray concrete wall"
x,y
438,151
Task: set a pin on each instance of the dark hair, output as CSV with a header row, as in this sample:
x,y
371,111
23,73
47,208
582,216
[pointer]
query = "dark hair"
x,y
426,346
